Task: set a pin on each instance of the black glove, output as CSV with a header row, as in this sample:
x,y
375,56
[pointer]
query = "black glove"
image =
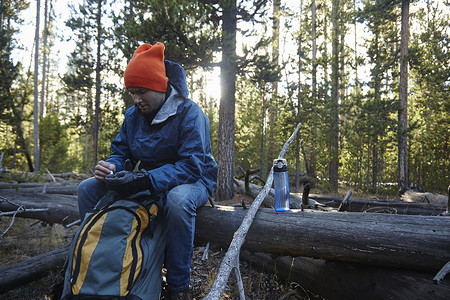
x,y
126,183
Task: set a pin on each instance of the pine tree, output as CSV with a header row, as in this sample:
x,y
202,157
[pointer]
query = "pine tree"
x,y
430,104
273,106
98,67
225,157
36,88
334,105
188,29
403,182
378,108
80,82
12,100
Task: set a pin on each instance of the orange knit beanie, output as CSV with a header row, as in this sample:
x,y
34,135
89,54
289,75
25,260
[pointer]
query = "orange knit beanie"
x,y
146,68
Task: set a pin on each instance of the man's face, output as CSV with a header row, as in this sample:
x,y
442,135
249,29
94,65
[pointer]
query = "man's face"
x,y
147,100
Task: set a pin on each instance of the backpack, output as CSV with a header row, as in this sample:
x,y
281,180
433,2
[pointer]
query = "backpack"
x,y
118,250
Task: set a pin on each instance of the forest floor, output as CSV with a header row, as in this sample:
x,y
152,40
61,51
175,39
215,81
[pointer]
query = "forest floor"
x,y
28,238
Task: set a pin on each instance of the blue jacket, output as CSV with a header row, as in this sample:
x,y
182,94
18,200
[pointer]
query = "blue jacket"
x,y
175,148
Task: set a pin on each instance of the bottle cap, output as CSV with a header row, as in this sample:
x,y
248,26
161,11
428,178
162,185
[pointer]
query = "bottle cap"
x,y
279,165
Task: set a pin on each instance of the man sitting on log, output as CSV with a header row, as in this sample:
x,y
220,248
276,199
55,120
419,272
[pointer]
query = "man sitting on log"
x,y
169,134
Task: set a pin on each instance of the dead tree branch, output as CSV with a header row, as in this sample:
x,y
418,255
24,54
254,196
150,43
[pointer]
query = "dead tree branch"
x,y
232,255
442,273
344,203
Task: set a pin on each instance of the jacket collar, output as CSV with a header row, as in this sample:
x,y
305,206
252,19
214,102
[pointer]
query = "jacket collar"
x,y
169,108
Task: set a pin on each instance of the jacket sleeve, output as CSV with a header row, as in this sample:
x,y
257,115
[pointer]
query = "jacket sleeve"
x,y
194,153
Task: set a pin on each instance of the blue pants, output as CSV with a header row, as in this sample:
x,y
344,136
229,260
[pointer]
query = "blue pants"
x,y
179,212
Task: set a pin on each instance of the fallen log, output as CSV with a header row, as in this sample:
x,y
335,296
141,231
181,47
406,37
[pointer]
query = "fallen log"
x,y
42,189
419,241
373,205
61,209
424,197
352,205
373,238
338,280
31,269
8,185
409,242
18,186
61,190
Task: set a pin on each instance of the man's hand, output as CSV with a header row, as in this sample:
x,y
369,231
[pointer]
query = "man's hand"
x,y
127,183
102,169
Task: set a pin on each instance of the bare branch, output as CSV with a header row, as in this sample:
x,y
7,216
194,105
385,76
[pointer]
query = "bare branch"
x,y
232,256
19,209
442,273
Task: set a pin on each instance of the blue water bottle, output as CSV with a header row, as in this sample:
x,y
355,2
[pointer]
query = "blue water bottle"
x,y
281,181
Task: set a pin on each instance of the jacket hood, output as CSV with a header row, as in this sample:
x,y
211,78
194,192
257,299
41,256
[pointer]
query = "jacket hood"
x,y
177,77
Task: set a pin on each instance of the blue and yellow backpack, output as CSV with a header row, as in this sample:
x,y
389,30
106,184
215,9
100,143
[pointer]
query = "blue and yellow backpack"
x,y
118,250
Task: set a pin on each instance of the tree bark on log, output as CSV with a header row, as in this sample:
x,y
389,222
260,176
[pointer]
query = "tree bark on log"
x,y
31,269
61,209
66,189
410,242
337,280
61,190
331,234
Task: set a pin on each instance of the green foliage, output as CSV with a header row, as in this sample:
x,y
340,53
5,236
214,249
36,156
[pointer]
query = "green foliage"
x,y
8,70
111,119
54,144
188,29
191,32
250,126
8,73
430,130
369,133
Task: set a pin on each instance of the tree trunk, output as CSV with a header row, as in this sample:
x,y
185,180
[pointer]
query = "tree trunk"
x,y
36,94
23,144
273,107
97,83
299,101
334,138
403,181
89,136
44,60
376,114
224,190
313,158
355,27
410,242
263,144
337,280
1,13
